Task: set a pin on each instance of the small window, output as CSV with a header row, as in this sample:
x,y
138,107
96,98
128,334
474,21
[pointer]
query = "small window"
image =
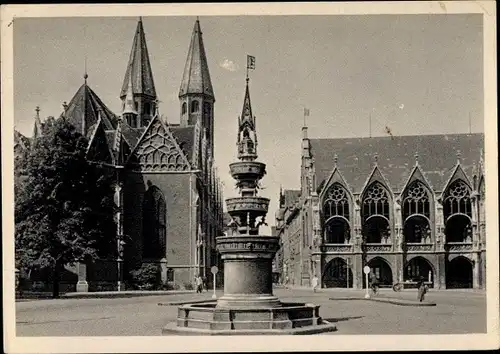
x,y
195,106
147,108
170,275
184,108
207,109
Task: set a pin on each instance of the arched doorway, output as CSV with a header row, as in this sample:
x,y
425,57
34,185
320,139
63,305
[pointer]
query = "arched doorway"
x,y
376,229
337,230
459,273
336,274
381,270
458,228
417,229
419,267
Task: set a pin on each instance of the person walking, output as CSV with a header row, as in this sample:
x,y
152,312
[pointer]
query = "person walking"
x,y
422,289
374,285
199,284
314,283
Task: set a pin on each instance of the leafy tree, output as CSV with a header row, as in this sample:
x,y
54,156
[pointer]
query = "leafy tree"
x,y
64,208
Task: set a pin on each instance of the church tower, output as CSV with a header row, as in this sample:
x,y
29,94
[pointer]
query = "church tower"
x,y
140,76
196,94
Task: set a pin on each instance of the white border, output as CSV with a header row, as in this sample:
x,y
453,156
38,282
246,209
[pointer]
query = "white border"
x,y
252,343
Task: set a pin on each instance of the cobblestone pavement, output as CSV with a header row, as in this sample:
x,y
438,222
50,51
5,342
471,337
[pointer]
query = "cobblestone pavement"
x,y
457,312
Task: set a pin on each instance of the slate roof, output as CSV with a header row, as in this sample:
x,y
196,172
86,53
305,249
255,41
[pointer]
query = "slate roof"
x,y
291,197
437,157
185,137
82,111
196,77
139,67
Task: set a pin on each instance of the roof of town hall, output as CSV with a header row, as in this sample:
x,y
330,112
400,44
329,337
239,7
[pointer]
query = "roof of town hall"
x,y
396,156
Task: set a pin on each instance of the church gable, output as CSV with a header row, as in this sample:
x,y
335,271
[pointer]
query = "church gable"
x,y
417,175
157,150
335,177
98,149
458,174
376,176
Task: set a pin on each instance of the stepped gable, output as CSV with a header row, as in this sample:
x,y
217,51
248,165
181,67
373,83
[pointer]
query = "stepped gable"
x,y
83,111
396,156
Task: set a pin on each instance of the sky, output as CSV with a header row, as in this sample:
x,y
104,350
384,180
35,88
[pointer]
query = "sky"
x,y
417,74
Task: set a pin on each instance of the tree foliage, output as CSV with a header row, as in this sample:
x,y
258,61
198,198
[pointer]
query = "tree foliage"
x,y
64,208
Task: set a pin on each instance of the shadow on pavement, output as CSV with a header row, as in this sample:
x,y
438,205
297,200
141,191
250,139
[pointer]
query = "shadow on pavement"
x,y
341,319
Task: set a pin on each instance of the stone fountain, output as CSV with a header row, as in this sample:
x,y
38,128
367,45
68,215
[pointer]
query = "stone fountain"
x,y
248,305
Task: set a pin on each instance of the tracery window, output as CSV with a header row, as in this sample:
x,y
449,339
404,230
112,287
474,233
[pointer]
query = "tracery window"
x,y
376,201
416,200
375,214
336,202
154,224
457,200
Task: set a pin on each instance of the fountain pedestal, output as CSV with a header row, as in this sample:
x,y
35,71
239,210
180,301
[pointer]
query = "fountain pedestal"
x,y
248,305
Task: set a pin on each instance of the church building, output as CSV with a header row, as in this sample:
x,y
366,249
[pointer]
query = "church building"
x,y
169,198
409,207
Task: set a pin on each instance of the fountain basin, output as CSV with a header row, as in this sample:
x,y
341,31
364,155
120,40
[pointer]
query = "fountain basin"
x,y
208,319
257,206
247,170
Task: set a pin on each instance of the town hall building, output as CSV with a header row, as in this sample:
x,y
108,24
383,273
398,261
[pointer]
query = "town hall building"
x,y
409,207
168,196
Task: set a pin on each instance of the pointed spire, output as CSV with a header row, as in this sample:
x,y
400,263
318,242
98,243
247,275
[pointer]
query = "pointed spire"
x,y
37,128
139,67
85,74
416,158
247,136
246,113
129,107
196,77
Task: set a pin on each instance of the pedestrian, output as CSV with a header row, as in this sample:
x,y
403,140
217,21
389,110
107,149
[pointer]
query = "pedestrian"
x,y
205,286
286,282
314,283
199,284
374,285
422,290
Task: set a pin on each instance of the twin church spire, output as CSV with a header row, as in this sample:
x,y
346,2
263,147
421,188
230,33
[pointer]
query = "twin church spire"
x,y
196,94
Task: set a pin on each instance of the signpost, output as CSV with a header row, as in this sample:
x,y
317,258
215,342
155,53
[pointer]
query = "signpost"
x,y
366,270
214,271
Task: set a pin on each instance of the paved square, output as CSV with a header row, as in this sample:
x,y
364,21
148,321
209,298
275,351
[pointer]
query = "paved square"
x,y
457,312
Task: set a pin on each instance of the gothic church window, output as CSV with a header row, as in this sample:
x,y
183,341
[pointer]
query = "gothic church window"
x,y
154,224
416,214
195,106
457,209
375,214
336,215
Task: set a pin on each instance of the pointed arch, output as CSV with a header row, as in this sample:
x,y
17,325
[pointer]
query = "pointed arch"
x,y
154,223
376,201
457,210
